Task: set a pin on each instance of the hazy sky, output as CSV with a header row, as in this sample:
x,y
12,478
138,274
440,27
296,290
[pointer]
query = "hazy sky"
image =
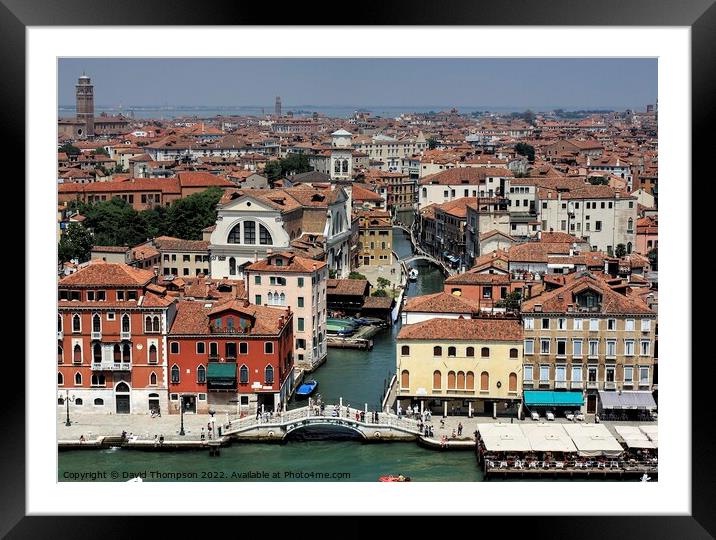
x,y
567,83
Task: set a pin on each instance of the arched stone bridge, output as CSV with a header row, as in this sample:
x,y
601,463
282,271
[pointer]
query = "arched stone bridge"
x,y
278,427
421,255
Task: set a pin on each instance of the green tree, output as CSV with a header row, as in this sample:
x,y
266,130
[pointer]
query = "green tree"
x,y
75,243
526,150
188,216
272,170
432,143
599,180
511,302
295,164
332,274
101,150
69,149
379,292
115,223
383,283
620,251
653,259
356,275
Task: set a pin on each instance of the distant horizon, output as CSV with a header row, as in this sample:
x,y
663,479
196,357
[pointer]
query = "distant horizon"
x,y
514,84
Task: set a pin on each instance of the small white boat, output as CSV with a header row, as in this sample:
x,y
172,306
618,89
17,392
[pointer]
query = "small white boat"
x,y
413,274
645,478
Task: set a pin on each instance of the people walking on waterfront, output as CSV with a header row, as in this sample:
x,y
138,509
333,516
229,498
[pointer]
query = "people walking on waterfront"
x,y
82,439
161,438
400,412
258,414
202,433
459,429
453,433
442,422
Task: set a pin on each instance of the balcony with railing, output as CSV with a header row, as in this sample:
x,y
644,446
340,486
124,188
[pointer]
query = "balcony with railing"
x,y
560,385
96,334
125,336
592,385
577,385
106,365
610,385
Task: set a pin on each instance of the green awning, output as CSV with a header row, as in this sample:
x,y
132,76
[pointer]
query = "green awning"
x,y
546,398
218,372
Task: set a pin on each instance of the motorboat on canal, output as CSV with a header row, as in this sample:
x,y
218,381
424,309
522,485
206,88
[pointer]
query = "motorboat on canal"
x,y
340,327
413,274
392,478
306,389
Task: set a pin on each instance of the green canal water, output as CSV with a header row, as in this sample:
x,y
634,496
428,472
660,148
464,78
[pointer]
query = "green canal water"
x,y
358,377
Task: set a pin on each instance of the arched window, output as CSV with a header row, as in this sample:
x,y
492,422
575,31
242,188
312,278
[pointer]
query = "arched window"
x,y
98,401
514,353
513,382
125,323
77,354
78,379
270,299
437,380
337,167
59,322
60,379
460,380
630,225
628,247
98,380
126,352
268,374
345,165
97,353
117,353
96,323
470,351
451,380
405,350
235,235
232,266
78,401
265,236
485,352
405,379
484,380
60,400
282,300
437,351
148,324
452,351
152,354
76,323
470,381
152,379
249,232
155,324
60,355
201,374
122,387
244,374
175,374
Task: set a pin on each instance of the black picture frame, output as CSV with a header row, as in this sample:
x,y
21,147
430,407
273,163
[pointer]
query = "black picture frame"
x,y
699,15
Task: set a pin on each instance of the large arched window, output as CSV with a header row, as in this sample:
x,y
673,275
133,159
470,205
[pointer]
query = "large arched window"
x,y
152,379
155,324
122,387
232,266
126,352
630,225
405,350
59,322
60,379
96,323
78,379
437,351
265,236
175,374
152,354
97,353
282,300
60,355
235,235
244,374
201,374
270,299
405,379
451,380
125,323
628,246
98,380
470,351
77,354
461,380
117,353
470,381
76,323
148,324
513,382
437,380
484,381
268,374
249,232
345,165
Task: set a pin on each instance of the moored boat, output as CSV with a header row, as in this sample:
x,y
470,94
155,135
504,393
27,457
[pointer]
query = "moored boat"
x,y
413,274
306,389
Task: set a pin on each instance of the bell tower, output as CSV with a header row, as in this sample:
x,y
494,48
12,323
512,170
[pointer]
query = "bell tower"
x,y
84,93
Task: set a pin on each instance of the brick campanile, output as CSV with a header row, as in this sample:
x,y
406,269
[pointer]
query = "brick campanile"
x,y
85,105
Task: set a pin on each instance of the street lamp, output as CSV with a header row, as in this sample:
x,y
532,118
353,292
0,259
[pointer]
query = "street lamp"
x,y
181,414
212,412
67,404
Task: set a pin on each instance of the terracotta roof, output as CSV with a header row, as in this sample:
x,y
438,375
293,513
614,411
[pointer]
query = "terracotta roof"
x,y
360,193
465,175
192,317
291,264
100,273
169,243
463,330
349,287
442,302
201,179
559,238
475,278
378,302
111,249
556,301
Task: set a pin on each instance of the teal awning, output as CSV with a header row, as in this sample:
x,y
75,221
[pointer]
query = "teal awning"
x,y
546,398
218,371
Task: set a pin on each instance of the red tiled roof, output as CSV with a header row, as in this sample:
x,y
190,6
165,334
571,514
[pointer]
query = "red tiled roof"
x,y
442,302
100,273
463,330
291,264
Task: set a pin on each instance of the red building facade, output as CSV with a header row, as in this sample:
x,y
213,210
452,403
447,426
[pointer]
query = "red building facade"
x,y
230,357
111,328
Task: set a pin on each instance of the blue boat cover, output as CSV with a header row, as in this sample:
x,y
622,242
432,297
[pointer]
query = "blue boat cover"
x,y
546,398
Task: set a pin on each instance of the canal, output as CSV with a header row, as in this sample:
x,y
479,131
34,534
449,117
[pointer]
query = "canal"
x,y
356,376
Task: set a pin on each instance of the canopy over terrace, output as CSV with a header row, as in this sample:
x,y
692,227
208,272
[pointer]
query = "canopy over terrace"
x,y
634,437
499,437
627,399
547,398
548,438
652,432
593,440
